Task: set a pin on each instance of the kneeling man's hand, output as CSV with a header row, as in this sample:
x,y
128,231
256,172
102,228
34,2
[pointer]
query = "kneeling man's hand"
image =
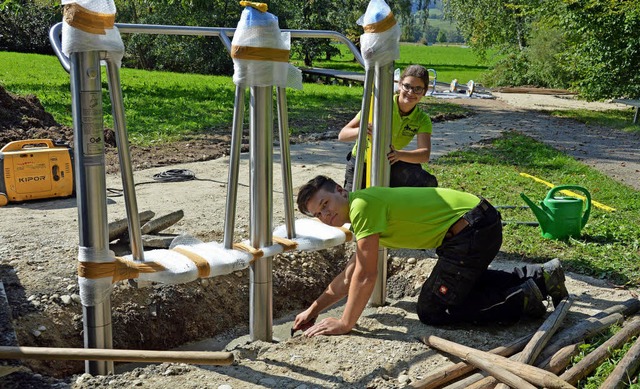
x,y
328,326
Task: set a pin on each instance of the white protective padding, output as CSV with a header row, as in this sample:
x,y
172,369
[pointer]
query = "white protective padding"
x,y
380,48
94,291
260,29
312,234
180,269
75,40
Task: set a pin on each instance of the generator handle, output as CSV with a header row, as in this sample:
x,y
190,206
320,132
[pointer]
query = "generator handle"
x,y
20,144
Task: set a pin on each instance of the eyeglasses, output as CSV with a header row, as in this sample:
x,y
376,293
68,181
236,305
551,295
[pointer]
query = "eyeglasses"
x,y
414,89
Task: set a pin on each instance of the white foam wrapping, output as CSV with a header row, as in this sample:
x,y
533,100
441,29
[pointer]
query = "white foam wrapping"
x,y
75,40
94,291
379,48
180,269
312,234
264,33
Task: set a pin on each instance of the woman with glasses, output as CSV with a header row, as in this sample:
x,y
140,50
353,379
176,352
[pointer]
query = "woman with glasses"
x,y
408,122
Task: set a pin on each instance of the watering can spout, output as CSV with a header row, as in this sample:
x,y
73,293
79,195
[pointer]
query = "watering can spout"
x,y
541,215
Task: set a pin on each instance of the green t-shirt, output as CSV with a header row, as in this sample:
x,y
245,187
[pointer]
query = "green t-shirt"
x,y
404,128
412,218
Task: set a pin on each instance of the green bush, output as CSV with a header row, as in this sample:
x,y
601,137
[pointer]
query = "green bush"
x,y
24,26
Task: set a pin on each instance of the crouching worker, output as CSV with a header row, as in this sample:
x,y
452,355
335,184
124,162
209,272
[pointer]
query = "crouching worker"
x,y
466,232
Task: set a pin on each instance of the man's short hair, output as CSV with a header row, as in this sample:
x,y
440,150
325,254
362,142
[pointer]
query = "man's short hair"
x,y
308,190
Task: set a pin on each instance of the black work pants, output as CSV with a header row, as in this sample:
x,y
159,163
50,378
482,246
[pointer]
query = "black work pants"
x,y
402,174
461,288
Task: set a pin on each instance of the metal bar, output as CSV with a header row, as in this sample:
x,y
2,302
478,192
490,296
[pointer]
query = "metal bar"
x,y
285,161
124,157
382,122
261,205
86,104
222,33
234,166
364,129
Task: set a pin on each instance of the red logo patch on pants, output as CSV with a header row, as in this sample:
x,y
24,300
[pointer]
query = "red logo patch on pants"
x,y
443,289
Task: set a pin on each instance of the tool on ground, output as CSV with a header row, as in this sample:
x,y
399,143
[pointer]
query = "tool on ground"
x,y
35,169
561,217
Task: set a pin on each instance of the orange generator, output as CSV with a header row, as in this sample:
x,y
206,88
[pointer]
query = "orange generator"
x,y
35,169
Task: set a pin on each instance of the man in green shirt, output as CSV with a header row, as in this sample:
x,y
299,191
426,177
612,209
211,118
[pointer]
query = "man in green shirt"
x,y
466,232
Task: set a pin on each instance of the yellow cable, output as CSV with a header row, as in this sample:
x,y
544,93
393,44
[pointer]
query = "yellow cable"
x,y
569,193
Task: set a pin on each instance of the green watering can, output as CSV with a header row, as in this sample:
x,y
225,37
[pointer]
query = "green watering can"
x,y
561,217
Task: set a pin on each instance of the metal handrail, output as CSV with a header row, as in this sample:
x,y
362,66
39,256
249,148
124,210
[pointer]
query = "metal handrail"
x,y
223,33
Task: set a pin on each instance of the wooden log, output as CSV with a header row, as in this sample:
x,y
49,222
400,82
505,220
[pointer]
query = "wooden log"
x,y
585,329
161,241
483,383
543,335
93,354
503,375
626,368
119,227
597,356
593,325
467,382
557,363
561,359
450,373
532,374
162,222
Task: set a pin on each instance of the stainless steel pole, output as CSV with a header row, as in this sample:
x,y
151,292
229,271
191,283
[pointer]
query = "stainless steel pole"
x,y
234,166
364,129
124,157
86,104
382,121
261,211
285,161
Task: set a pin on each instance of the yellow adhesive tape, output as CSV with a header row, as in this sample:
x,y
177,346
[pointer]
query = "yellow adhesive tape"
x,y
259,53
381,26
88,21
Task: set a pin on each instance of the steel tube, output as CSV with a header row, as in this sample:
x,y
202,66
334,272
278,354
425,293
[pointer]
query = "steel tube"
x,y
382,122
261,206
234,166
124,158
364,129
221,32
285,161
86,104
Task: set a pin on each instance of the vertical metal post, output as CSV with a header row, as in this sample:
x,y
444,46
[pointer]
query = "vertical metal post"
x,y
91,195
364,128
285,161
380,170
261,204
124,157
234,167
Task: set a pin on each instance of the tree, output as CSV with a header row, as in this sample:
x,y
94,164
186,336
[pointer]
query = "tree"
x,y
605,47
488,24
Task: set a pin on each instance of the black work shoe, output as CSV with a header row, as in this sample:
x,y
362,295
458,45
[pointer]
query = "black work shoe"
x,y
533,299
554,280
